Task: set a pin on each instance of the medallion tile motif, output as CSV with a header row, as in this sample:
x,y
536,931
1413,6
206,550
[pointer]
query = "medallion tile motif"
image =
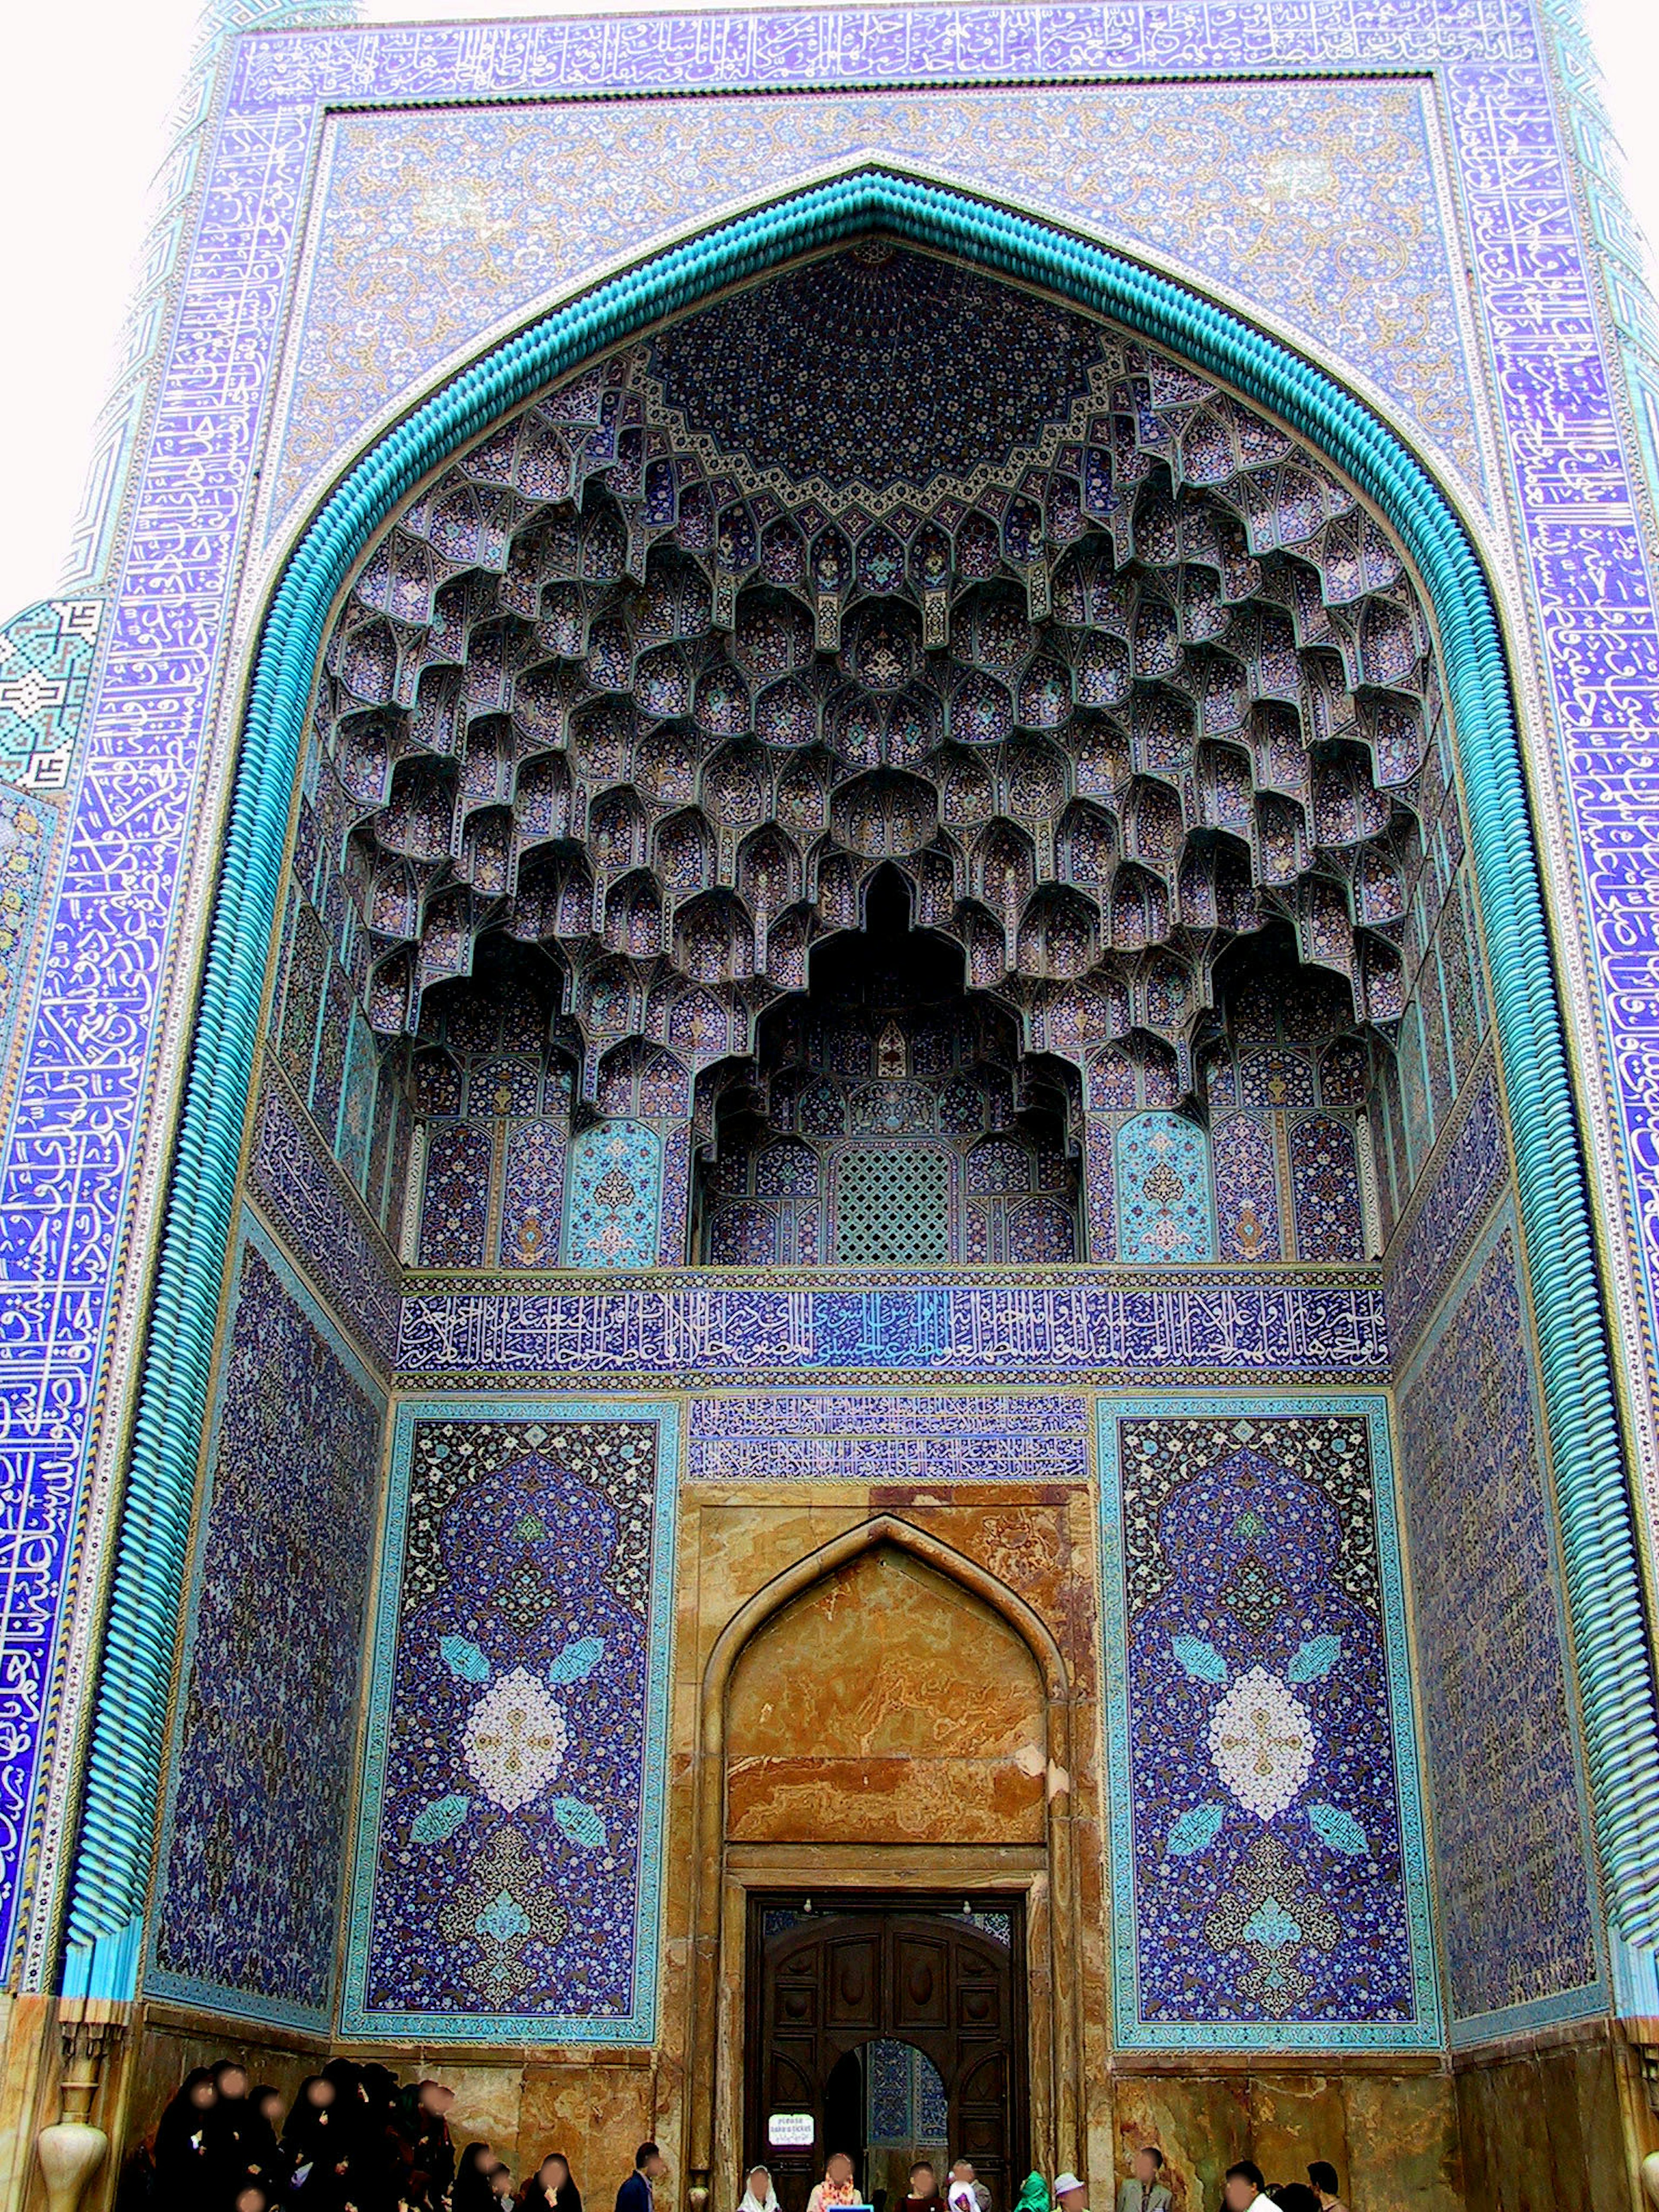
x,y
1267,1843
509,1850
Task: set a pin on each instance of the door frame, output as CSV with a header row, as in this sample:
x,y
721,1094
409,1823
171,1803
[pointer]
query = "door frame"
x,y
890,1901
722,1872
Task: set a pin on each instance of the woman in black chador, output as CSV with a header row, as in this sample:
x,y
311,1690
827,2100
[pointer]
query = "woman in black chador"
x,y
183,2154
316,2142
263,2135
472,2191
233,2161
552,2188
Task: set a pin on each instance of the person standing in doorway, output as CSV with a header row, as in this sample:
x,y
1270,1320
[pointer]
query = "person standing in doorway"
x,y
924,2190
837,2187
1244,2190
638,2192
1322,2174
1144,2191
759,2195
967,2192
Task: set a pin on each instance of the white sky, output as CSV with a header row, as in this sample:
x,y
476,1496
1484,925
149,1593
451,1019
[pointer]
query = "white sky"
x,y
88,85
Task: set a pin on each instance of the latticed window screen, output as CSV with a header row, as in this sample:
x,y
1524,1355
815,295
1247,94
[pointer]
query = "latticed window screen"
x,y
892,1206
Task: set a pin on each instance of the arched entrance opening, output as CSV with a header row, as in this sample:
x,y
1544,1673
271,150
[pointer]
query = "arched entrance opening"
x,y
882,1717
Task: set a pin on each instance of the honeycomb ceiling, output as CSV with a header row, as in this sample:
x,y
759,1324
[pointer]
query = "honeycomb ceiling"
x,y
879,561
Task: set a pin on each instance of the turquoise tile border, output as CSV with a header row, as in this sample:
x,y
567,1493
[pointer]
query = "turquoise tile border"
x,y
1130,2032
356,2018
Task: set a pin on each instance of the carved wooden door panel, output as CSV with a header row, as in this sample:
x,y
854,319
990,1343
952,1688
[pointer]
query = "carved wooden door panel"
x,y
823,1984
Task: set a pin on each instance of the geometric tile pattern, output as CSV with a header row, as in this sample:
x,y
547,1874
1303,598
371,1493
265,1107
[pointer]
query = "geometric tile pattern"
x,y
69,1169
1517,1913
45,661
265,1740
1267,1840
28,829
509,1846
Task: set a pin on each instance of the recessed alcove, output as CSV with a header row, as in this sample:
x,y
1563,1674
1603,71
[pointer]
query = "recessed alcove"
x,y
889,1117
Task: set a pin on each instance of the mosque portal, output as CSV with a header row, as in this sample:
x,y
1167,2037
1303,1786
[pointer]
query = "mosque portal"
x,y
877,1377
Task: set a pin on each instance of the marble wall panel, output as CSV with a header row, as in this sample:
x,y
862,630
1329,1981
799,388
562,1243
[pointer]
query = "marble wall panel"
x,y
1393,2138
1541,2127
886,1704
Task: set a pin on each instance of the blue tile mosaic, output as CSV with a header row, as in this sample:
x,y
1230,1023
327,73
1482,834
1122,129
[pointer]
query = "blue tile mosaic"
x,y
711,1331
248,1893
1270,1890
1165,1208
865,1436
510,1850
1317,201
45,666
613,1202
88,1086
1518,1919
298,1186
1449,1210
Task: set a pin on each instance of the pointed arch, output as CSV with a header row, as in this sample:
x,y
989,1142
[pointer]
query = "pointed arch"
x,y
885,1530
1061,2103
1605,1600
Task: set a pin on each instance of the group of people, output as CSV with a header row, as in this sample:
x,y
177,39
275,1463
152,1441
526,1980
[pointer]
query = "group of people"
x,y
965,2192
353,2140
1246,2191
1145,2189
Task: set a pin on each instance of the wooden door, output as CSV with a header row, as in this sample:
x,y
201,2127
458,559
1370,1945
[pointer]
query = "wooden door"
x,y
822,1985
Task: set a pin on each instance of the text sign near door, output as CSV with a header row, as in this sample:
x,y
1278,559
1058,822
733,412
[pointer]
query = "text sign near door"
x,y
790,2130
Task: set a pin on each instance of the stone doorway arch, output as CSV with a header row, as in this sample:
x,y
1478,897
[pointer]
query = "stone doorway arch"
x,y
777,1830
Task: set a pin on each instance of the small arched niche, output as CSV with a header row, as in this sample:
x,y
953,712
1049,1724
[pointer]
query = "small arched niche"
x,y
886,1702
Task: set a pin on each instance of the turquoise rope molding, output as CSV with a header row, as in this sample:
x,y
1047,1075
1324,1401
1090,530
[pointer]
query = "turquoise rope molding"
x,y
112,1868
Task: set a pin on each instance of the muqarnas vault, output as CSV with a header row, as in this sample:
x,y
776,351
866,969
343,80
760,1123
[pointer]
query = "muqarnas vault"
x,y
824,1019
